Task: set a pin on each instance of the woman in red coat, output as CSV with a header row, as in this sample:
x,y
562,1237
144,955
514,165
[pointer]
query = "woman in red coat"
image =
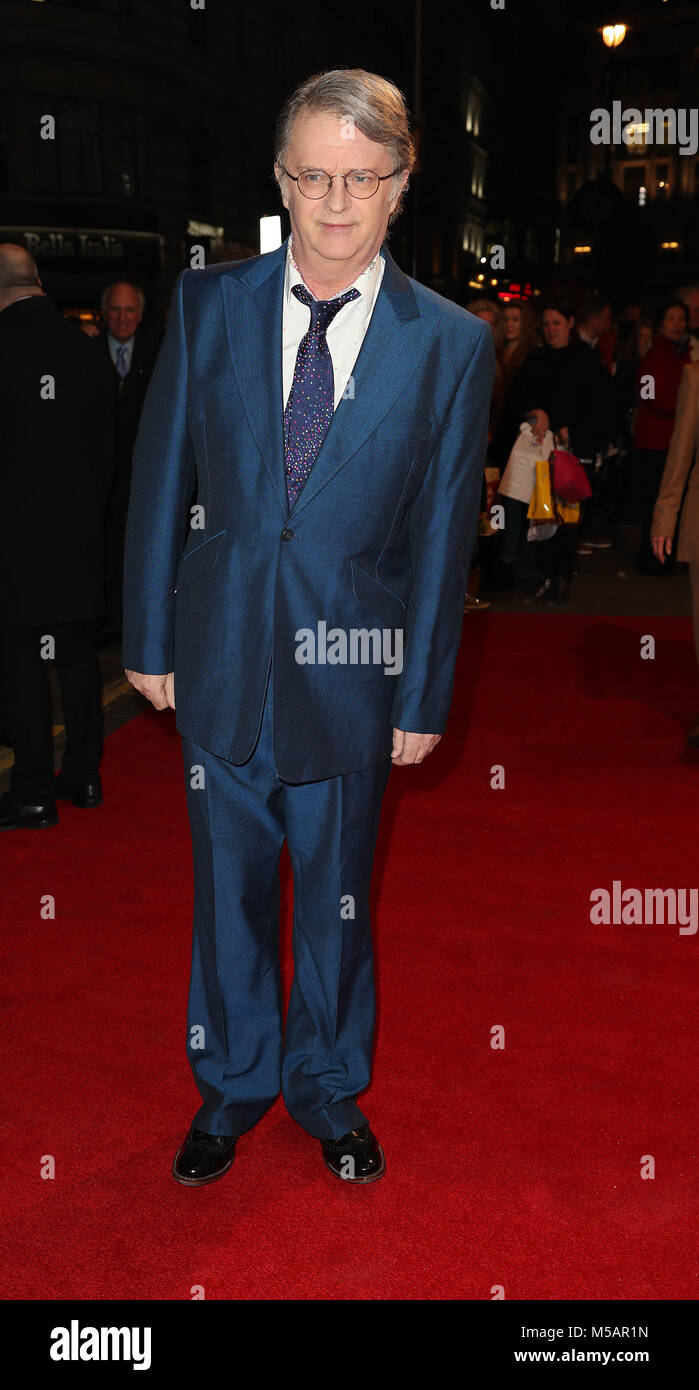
x,y
659,373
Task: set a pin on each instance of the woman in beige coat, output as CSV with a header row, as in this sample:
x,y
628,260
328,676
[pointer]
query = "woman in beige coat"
x,y
683,451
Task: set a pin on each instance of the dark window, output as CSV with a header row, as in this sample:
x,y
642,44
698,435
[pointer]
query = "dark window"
x,y
199,176
71,162
133,151
634,178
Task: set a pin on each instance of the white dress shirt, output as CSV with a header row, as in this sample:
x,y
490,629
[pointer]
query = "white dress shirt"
x,y
346,332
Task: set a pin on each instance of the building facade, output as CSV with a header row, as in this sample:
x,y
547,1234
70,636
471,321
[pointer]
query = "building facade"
x,y
629,204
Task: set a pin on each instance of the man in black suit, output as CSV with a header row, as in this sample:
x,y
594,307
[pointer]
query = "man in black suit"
x,y
131,362
56,459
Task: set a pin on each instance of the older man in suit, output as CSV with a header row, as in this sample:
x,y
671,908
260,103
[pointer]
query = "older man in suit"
x,y
680,466
306,485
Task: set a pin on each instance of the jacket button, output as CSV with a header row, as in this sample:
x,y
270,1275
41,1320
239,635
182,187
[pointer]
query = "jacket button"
x,y
287,535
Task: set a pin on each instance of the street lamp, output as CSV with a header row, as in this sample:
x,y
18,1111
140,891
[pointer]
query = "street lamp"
x,y
614,34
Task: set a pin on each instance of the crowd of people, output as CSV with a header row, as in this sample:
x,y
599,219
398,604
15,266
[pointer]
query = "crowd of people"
x,y
603,386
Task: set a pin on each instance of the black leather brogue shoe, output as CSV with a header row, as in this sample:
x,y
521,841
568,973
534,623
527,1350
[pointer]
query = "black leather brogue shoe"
x,y
87,795
203,1158
16,815
355,1158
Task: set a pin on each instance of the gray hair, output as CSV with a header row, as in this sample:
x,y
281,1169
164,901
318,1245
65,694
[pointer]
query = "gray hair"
x,y
375,106
104,301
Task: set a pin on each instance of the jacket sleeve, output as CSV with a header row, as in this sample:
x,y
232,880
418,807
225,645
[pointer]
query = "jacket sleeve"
x,y
442,524
679,458
162,485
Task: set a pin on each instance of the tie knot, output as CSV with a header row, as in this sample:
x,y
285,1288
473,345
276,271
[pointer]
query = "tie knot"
x,y
323,311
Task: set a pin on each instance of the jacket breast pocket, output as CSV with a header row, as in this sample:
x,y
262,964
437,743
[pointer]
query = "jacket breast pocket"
x,y
409,430
199,561
379,601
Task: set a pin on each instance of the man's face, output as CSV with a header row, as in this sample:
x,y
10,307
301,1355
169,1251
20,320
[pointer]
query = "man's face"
x,y
337,227
692,302
123,312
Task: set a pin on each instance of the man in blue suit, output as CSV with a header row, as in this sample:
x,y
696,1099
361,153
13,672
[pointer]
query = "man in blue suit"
x,y
306,483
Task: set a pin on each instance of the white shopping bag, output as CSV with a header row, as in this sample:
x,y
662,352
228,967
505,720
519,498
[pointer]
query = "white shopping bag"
x,y
518,478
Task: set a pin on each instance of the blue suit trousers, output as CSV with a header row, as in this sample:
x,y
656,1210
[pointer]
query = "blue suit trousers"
x,y
240,815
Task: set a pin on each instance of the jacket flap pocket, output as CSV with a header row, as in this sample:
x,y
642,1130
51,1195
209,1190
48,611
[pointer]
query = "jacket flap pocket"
x,y
375,597
199,561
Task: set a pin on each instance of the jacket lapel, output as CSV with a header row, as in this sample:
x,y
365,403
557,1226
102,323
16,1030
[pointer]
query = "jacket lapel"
x,y
395,340
253,313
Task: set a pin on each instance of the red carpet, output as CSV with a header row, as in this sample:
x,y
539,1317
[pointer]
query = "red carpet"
x,y
518,1167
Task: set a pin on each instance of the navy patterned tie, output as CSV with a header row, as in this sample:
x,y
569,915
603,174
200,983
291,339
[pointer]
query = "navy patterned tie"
x,y
310,406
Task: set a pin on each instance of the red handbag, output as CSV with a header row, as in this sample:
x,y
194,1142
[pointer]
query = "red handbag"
x,y
569,479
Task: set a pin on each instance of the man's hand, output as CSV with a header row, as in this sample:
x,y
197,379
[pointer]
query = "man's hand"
x,y
160,690
412,748
662,546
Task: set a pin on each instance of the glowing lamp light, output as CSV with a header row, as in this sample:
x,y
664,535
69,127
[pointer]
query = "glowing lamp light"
x,y
614,34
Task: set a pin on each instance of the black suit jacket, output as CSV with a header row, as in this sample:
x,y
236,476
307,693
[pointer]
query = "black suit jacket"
x,y
56,461
129,395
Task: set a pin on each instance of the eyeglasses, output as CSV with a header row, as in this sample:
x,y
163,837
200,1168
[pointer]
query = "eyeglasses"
x,y
360,183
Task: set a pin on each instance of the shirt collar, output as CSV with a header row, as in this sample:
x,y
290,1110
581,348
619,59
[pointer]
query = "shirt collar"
x,y
115,344
587,338
365,283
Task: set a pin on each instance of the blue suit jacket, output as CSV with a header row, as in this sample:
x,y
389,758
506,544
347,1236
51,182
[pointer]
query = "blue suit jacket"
x,y
379,537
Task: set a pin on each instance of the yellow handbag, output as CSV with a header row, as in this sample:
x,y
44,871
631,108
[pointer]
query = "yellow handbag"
x,y
541,504
544,506
567,513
